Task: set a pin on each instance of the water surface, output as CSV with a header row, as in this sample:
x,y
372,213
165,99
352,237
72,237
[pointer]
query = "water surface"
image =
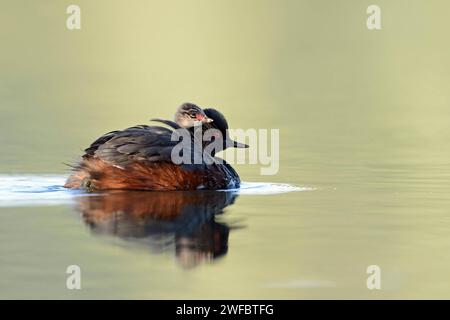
x,y
363,118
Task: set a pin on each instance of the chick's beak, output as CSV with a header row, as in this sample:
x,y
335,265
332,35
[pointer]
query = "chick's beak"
x,y
204,119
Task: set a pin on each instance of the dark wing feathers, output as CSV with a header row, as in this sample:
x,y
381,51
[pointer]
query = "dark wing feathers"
x,y
94,146
138,143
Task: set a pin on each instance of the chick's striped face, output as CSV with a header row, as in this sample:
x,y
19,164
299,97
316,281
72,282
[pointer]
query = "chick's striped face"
x,y
188,114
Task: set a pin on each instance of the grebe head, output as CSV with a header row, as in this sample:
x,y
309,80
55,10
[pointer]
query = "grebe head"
x,y
220,123
188,114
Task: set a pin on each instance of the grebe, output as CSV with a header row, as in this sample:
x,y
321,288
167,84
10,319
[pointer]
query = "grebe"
x,y
139,158
186,220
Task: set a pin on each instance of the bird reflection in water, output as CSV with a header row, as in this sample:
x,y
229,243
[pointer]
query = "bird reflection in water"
x,y
163,220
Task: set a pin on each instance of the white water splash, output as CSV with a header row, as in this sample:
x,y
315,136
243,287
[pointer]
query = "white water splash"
x,y
27,190
266,188
47,189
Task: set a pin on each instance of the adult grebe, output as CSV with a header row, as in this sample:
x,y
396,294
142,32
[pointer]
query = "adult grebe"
x,y
139,158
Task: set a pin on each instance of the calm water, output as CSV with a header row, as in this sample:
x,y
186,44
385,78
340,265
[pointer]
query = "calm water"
x,y
364,149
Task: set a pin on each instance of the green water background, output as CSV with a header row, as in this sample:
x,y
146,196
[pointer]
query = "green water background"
x,y
363,117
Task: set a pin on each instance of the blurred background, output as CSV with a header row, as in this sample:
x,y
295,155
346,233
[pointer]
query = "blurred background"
x,y
363,118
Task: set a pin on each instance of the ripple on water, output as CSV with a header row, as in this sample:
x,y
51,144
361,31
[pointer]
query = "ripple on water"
x,y
44,190
266,188
28,190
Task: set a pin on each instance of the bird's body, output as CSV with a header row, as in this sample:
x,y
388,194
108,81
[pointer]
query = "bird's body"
x,y
140,158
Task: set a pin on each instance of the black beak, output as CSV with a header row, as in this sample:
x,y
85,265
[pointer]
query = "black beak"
x,y
236,144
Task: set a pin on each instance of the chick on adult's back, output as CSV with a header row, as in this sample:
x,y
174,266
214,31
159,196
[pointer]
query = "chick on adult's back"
x,y
140,158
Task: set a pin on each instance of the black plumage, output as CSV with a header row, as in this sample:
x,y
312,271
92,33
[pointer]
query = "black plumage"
x,y
140,157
